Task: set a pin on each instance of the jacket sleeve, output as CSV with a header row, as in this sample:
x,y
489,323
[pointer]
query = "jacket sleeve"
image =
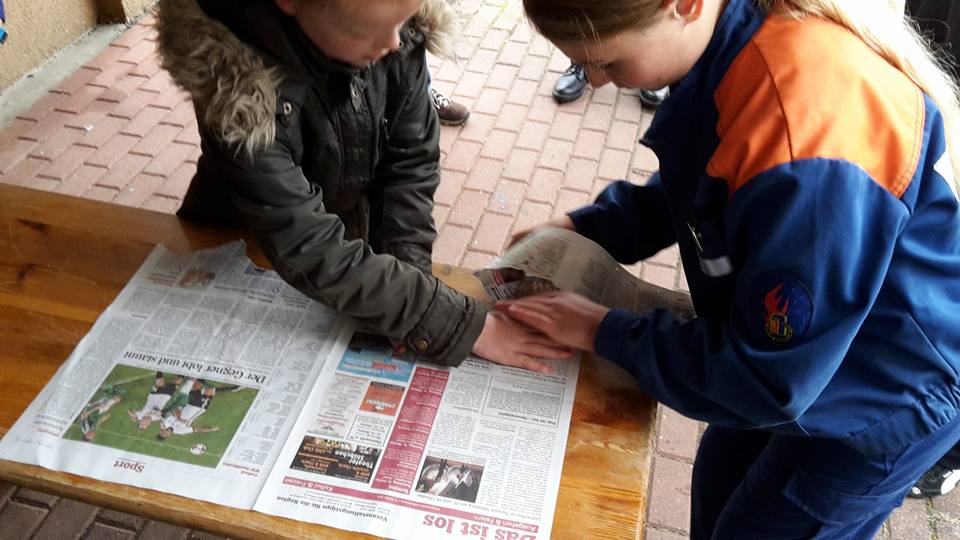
x,y
812,242
306,246
623,206
409,172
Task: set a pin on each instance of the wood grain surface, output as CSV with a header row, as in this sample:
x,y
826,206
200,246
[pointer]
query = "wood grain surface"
x,y
63,260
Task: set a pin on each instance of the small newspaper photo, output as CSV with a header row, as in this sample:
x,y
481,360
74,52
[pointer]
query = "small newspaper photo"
x,y
213,379
553,259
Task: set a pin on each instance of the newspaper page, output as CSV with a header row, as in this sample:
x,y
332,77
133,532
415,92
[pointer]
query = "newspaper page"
x,y
559,259
188,383
404,449
211,378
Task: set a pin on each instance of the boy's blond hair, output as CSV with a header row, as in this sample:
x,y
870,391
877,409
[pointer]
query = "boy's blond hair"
x,y
435,18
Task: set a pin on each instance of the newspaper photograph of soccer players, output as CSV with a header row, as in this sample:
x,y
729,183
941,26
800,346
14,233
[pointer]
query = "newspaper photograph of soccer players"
x,y
451,479
163,414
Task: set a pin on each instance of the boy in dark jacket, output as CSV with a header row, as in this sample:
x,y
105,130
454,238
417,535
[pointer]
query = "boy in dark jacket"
x,y
319,137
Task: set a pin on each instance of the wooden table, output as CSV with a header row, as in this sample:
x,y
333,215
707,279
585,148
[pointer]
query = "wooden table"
x,y
63,260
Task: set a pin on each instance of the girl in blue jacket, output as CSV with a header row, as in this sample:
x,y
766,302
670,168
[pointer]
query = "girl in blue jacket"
x,y
806,175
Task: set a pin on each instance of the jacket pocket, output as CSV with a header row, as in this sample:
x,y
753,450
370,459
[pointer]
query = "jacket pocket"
x,y
708,227
833,507
710,239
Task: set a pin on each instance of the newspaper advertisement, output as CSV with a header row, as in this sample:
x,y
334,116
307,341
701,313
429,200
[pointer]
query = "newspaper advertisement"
x,y
211,378
559,259
423,451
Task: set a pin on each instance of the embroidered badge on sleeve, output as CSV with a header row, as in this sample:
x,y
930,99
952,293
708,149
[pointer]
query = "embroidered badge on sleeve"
x,y
784,306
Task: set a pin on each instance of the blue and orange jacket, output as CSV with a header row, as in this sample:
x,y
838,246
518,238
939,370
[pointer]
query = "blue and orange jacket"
x,y
808,186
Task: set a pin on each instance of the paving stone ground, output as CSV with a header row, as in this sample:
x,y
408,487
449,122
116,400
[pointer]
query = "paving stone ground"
x,y
118,130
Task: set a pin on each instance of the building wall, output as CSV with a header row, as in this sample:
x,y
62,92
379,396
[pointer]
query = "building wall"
x,y
122,10
40,28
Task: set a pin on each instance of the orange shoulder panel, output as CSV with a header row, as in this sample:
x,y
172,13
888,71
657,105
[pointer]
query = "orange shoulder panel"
x,y
810,88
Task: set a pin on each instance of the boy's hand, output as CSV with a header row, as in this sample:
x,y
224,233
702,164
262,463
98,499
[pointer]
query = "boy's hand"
x,y
561,222
566,317
505,341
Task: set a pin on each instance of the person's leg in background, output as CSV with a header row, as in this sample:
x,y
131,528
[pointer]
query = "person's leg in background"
x,y
571,85
941,478
450,112
653,98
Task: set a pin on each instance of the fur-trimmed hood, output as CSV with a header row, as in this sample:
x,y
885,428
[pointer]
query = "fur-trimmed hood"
x,y
234,91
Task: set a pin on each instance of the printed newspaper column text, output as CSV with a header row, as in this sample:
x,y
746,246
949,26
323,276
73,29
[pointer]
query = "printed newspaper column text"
x,y
398,468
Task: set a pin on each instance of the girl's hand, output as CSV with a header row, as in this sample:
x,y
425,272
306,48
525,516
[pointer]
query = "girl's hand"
x,y
505,341
561,222
566,317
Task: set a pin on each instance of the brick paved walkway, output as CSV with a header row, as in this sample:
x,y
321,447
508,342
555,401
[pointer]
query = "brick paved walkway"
x,y
117,130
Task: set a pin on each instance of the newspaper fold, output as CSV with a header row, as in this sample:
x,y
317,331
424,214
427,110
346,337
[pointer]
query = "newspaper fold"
x,y
558,259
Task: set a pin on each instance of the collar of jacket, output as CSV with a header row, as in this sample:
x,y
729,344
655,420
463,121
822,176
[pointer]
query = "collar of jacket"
x,y
230,57
737,23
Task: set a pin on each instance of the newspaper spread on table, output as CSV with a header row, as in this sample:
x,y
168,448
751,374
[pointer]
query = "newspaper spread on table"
x,y
211,378
559,259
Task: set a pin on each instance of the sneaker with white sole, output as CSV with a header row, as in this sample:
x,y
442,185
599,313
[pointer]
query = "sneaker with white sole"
x,y
938,480
450,112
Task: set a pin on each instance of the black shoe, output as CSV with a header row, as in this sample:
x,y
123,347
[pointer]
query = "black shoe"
x,y
938,480
653,98
570,85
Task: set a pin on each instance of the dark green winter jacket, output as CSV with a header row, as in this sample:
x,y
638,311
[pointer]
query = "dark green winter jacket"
x,y
332,168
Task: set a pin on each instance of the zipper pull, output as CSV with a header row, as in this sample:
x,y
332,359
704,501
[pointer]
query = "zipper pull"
x,y
356,96
697,238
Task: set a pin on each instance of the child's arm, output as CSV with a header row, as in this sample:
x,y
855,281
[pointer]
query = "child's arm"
x,y
305,244
631,222
814,263
828,244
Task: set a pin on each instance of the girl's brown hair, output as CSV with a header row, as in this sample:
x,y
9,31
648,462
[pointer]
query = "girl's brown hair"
x,y
570,21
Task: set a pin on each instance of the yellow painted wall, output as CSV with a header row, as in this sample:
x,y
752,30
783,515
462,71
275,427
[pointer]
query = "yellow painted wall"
x,y
40,28
122,10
